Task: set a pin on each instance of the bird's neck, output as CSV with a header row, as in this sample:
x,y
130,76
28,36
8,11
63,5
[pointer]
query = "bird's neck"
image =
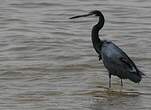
x,y
97,42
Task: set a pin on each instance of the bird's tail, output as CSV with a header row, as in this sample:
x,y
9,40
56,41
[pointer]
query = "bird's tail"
x,y
135,77
141,73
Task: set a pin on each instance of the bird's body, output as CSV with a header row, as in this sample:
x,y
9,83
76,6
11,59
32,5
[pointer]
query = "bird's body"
x,y
118,63
114,59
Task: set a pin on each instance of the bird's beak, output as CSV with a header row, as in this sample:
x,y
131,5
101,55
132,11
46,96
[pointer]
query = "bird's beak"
x,y
85,15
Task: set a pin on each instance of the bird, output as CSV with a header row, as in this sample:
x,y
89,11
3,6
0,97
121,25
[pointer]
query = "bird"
x,y
115,60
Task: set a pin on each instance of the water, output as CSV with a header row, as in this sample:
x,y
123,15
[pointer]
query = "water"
x,y
47,61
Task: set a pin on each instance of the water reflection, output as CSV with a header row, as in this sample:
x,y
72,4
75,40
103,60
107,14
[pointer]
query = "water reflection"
x,y
117,101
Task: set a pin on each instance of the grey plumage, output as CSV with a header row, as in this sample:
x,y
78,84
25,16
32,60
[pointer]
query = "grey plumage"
x,y
118,63
114,59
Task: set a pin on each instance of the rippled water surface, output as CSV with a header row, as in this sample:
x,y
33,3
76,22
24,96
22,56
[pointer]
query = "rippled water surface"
x,y
47,61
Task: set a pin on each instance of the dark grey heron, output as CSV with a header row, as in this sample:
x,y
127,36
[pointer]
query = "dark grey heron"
x,y
114,59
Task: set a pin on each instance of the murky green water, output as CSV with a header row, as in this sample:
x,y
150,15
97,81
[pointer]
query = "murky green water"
x,y
47,61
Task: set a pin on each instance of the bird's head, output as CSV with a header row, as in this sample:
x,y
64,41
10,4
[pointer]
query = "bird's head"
x,y
95,12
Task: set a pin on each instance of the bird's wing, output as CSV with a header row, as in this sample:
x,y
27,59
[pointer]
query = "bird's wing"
x,y
126,60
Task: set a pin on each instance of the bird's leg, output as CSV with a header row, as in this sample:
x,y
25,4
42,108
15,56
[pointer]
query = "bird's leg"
x,y
121,82
109,80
